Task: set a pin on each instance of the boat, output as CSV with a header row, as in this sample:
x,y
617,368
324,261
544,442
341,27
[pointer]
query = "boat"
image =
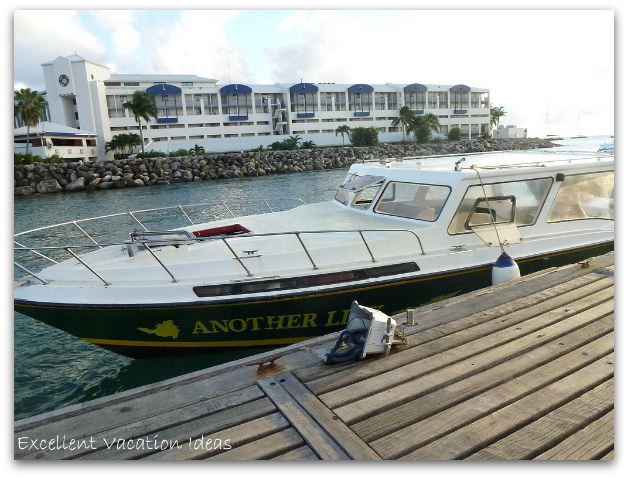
x,y
398,234
607,147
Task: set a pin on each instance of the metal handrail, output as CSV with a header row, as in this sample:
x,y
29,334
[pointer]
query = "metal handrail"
x,y
225,240
131,214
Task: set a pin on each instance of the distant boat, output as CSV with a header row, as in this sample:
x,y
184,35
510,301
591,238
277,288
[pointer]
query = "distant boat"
x,y
578,136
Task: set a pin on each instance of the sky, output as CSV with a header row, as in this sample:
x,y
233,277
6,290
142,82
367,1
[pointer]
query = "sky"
x,y
552,71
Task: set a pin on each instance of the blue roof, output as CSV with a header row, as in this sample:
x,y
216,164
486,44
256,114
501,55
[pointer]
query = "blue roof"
x,y
304,88
415,88
236,89
163,89
361,88
460,89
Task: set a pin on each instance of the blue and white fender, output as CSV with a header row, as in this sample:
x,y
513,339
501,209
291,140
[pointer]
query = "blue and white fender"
x,y
505,269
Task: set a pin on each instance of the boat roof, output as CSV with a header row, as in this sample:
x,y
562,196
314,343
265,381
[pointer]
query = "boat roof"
x,y
498,163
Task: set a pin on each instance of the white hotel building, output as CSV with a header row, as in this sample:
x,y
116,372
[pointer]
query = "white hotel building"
x,y
234,117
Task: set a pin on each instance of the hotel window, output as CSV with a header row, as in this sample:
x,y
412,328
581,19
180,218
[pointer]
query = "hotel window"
x,y
432,102
235,105
415,100
327,103
360,103
392,101
441,99
341,101
380,101
303,103
360,99
261,103
460,101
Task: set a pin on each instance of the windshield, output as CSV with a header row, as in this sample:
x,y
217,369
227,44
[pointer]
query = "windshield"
x,y
359,190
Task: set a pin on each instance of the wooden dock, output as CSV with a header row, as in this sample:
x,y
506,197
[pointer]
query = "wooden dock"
x,y
519,371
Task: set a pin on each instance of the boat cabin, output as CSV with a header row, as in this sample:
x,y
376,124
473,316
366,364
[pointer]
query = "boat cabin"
x,y
532,187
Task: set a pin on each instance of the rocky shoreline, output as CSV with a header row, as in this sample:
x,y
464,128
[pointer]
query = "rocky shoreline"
x,y
40,178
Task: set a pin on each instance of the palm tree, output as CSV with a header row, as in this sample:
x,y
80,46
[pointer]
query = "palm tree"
x,y
113,145
422,125
197,150
405,119
496,114
342,130
431,120
123,143
29,105
134,140
142,106
293,142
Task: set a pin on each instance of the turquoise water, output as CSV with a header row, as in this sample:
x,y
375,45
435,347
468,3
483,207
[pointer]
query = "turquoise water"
x,y
53,369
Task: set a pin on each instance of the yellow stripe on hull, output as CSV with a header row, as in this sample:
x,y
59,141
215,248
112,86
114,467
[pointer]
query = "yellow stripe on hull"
x,y
224,343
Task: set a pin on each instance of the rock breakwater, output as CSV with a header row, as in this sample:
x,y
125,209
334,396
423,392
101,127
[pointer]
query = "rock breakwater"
x,y
100,175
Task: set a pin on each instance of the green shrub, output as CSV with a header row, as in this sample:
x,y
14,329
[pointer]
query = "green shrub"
x,y
20,158
153,154
364,136
454,134
423,133
178,153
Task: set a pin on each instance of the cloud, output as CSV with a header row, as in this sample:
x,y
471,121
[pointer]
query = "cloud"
x,y
195,43
43,35
125,37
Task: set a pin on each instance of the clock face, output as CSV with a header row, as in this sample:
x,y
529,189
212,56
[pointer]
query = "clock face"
x,y
64,80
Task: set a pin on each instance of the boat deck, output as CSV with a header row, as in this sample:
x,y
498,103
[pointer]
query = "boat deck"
x,y
518,371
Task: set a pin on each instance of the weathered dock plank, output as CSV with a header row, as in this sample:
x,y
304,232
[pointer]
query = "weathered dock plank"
x,y
268,426
387,421
419,434
264,449
301,453
548,431
476,435
313,434
591,443
337,431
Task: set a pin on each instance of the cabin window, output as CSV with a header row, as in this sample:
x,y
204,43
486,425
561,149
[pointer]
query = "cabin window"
x,y
413,201
494,210
516,201
359,190
583,196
